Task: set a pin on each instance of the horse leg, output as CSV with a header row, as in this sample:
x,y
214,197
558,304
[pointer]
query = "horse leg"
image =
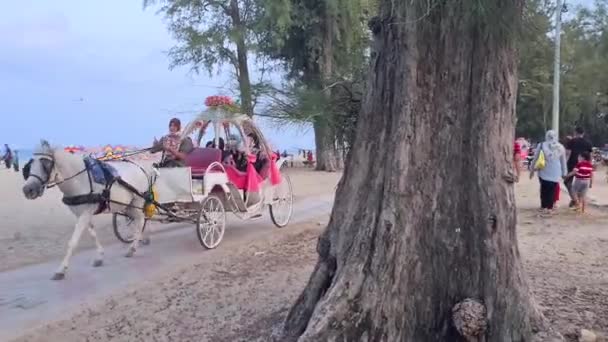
x,y
99,259
83,222
145,236
145,239
138,219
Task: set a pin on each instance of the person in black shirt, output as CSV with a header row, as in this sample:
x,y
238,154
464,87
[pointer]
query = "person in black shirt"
x,y
575,147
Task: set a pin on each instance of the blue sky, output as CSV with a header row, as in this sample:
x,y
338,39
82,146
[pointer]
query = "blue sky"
x,y
96,72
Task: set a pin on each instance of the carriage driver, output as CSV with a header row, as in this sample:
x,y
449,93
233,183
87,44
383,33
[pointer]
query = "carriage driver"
x,y
174,148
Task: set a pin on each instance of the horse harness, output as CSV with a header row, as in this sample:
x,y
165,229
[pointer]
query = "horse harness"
x,y
102,199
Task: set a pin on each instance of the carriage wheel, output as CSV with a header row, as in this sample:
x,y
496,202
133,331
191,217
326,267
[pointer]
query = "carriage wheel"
x,y
124,228
281,208
211,222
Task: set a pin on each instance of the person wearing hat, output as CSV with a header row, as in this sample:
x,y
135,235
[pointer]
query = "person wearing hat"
x,y
174,148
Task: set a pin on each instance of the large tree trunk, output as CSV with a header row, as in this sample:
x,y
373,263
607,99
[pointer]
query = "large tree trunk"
x,y
242,66
327,156
425,215
325,148
244,80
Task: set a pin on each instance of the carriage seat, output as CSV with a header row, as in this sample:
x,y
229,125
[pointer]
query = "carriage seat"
x,y
200,158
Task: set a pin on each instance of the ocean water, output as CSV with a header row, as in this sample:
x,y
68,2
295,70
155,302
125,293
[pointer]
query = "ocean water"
x,y
24,155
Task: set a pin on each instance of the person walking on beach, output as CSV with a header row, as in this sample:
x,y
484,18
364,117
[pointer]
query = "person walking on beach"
x,y
583,180
16,161
575,147
7,157
310,159
552,154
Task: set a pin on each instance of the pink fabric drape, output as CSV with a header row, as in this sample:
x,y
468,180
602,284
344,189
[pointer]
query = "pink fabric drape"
x,y
253,182
275,174
242,180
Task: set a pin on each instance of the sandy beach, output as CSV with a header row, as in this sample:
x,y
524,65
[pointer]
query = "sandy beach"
x,y
243,292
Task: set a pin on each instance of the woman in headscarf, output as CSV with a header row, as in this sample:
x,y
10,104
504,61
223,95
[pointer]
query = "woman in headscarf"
x,y
554,170
172,145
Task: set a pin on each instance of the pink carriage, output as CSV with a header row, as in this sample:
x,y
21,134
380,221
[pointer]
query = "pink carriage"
x,y
228,172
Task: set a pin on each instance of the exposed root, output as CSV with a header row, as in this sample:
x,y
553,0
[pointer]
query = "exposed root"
x,y
509,177
543,330
548,336
320,281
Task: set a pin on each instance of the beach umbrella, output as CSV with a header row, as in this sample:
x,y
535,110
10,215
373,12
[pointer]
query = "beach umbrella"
x,y
71,149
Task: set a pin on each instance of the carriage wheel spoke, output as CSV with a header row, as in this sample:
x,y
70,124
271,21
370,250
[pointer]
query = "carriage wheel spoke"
x,y
281,209
212,222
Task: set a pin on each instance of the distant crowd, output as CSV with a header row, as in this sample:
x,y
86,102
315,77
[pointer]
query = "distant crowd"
x,y
10,158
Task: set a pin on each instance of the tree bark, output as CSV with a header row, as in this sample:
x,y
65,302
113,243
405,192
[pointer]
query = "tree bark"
x,y
327,156
325,147
242,66
243,77
425,214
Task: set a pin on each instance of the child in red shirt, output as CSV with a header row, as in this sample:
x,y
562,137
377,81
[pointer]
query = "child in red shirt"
x,y
583,179
516,160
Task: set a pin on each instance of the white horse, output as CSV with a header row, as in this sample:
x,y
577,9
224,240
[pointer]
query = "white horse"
x,y
54,166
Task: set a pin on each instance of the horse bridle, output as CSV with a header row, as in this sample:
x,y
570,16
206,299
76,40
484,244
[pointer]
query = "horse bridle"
x,y
47,183
49,170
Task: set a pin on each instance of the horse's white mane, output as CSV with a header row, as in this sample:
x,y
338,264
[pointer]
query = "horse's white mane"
x,y
46,147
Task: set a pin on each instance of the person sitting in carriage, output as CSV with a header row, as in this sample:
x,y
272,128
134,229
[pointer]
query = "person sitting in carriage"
x,y
227,156
261,161
174,148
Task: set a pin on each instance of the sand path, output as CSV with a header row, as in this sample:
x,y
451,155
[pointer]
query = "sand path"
x,y
33,235
28,297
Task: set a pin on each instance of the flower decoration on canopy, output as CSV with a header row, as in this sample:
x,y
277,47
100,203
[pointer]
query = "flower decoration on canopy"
x,y
223,102
215,101
73,149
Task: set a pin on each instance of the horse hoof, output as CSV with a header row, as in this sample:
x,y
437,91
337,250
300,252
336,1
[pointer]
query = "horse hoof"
x,y
58,276
145,241
97,263
130,253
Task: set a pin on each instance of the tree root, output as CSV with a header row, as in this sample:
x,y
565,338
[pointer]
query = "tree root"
x,y
543,330
300,314
548,336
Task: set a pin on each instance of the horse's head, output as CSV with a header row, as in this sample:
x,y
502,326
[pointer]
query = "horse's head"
x,y
39,171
